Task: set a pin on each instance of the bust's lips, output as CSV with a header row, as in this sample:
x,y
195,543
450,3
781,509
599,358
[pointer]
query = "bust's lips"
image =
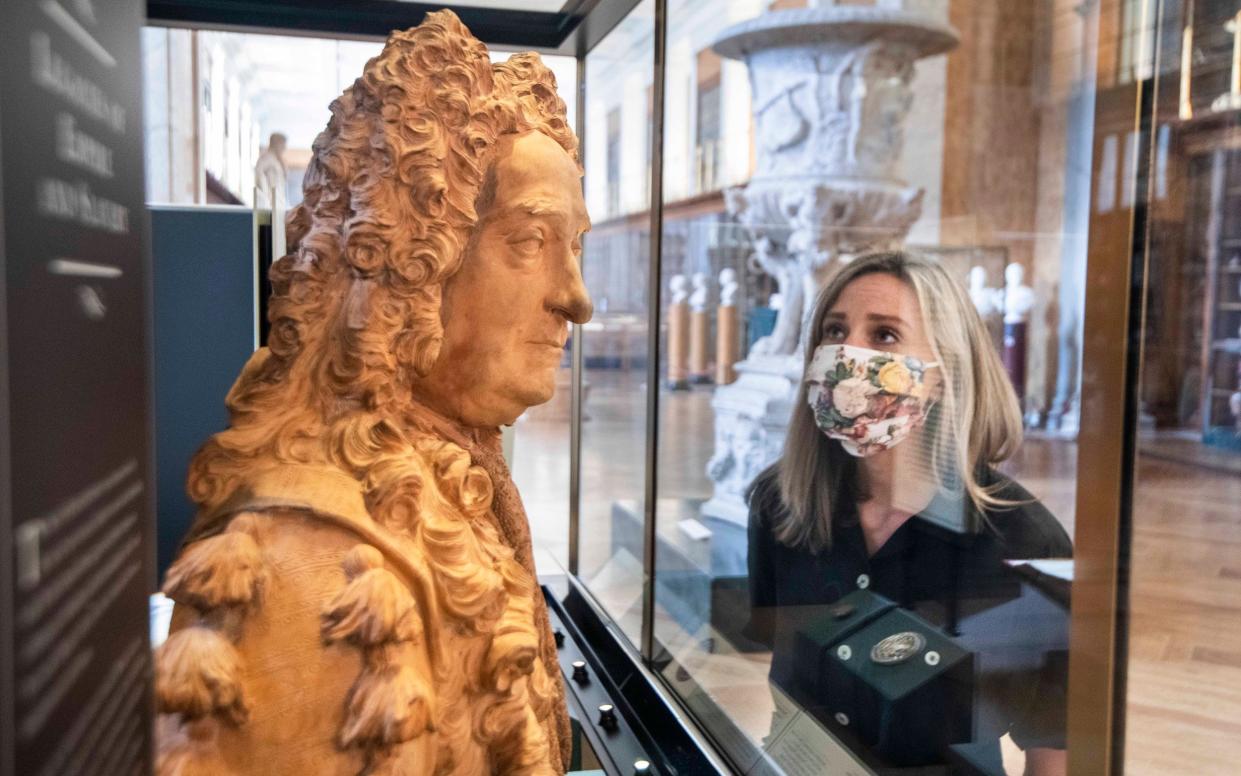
x,y
547,343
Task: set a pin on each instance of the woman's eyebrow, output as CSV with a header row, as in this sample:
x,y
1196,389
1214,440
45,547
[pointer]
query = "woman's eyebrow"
x,y
879,318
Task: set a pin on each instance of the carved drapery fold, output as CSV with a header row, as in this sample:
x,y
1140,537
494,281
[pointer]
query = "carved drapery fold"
x,y
198,674
375,608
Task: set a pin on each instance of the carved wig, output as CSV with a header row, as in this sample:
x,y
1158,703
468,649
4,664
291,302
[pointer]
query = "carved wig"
x,y
332,492
389,206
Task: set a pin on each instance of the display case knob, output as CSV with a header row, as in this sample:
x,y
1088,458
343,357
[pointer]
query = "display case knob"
x,y
579,672
607,717
641,768
558,635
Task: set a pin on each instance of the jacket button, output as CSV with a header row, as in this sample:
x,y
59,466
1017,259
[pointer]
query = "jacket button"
x,y
863,581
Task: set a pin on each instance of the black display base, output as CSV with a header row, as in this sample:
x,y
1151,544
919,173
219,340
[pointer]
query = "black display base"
x,y
646,726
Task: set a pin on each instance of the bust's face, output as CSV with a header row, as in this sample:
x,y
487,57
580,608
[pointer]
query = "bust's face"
x,y
506,312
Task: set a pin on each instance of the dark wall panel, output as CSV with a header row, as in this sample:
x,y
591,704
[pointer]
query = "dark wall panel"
x,y
204,272
76,545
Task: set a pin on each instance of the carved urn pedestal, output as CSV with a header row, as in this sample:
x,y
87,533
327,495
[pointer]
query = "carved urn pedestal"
x,y
832,86
751,416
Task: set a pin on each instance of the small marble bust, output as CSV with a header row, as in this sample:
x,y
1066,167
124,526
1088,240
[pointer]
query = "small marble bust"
x,y
698,298
986,299
1018,297
728,287
679,286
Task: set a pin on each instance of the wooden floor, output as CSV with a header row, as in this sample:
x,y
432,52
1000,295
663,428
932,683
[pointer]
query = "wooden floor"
x,y
1184,683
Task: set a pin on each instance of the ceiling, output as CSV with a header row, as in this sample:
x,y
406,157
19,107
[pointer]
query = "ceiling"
x,y
538,6
563,26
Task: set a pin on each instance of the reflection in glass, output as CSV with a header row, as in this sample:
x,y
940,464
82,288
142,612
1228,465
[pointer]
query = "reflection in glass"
x,y
793,147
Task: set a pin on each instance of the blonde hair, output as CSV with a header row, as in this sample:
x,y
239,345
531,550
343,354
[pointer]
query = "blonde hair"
x,y
391,198
975,424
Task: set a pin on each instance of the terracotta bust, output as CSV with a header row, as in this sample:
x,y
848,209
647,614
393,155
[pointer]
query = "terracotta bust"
x,y
357,594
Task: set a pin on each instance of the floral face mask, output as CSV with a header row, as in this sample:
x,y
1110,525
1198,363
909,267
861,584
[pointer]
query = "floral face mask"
x,y
868,399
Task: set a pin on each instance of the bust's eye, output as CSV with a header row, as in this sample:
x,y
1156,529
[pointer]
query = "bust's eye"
x,y
527,243
527,247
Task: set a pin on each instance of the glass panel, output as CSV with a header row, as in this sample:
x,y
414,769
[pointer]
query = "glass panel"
x,y
1184,667
615,260
894,593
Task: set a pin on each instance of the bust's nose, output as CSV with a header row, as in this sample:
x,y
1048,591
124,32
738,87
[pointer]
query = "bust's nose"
x,y
568,297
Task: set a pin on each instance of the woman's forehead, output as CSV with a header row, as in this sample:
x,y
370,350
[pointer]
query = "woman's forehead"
x,y
879,294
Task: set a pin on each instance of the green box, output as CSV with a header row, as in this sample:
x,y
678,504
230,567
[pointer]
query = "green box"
x,y
910,712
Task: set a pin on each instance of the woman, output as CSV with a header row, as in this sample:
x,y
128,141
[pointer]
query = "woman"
x,y
903,412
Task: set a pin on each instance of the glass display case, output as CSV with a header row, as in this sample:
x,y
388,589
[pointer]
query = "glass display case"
x,y
1027,151
796,140
749,571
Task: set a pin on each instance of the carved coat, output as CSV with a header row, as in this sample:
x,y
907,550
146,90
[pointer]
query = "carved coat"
x,y
310,637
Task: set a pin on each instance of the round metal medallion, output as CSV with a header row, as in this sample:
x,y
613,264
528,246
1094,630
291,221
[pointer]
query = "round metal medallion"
x,y
897,648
